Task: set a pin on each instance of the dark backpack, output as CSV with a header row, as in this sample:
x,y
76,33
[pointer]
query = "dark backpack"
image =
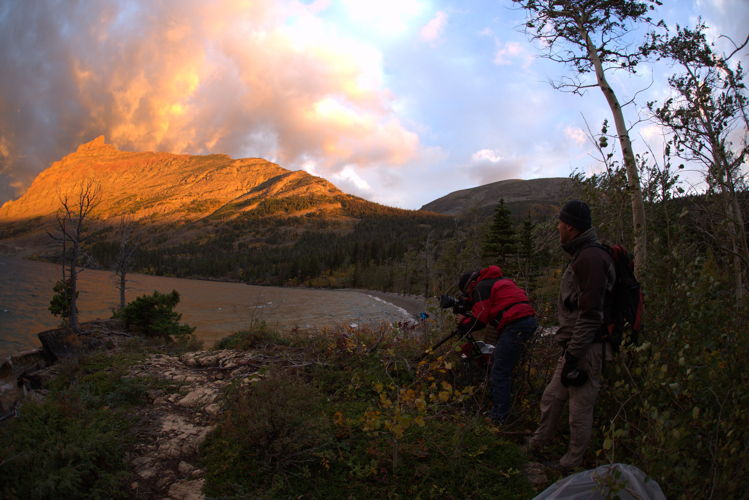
x,y
624,303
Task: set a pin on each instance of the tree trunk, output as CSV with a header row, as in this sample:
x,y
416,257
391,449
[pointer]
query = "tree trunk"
x,y
630,164
123,281
732,208
74,288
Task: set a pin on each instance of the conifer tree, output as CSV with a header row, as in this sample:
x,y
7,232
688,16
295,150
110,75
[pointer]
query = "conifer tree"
x,y
526,253
500,242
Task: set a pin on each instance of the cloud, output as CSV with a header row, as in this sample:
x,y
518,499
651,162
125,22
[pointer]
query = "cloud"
x,y
349,176
576,135
488,165
263,78
433,30
513,53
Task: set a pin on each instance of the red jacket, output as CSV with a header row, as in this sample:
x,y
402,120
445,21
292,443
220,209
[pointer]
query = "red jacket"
x,y
495,300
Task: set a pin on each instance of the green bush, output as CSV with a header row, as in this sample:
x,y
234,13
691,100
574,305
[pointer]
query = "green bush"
x,y
258,335
73,444
59,305
62,449
270,438
154,316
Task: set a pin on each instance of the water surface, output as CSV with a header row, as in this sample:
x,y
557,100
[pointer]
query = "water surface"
x,y
216,309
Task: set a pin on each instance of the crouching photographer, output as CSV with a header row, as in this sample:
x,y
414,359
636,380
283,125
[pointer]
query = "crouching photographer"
x,y
494,300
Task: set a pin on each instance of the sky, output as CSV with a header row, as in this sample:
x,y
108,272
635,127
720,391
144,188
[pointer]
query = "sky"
x,y
397,101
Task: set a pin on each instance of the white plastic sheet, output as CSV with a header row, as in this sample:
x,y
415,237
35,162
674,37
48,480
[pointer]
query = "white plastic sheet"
x,y
623,481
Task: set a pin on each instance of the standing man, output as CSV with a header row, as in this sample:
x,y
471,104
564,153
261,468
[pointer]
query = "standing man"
x,y
499,302
586,282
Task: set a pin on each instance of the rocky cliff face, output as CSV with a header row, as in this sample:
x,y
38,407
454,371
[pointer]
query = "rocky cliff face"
x,y
163,186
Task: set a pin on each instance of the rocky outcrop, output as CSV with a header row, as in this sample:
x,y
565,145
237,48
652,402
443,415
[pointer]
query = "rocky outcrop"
x,y
178,419
29,370
180,412
12,372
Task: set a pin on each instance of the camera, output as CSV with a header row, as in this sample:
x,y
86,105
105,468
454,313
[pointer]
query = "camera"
x,y
459,305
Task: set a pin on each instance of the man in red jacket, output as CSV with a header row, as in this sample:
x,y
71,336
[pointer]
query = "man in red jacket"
x,y
497,301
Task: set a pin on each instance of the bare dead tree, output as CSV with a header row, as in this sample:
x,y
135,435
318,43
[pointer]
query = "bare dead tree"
x,y
129,242
72,224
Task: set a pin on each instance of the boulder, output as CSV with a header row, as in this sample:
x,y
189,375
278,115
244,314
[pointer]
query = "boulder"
x,y
11,372
60,344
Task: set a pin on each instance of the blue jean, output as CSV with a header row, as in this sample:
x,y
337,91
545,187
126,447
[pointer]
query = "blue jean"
x,y
510,348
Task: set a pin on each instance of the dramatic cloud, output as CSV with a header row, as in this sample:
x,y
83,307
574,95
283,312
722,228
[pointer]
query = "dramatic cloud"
x,y
389,99
261,78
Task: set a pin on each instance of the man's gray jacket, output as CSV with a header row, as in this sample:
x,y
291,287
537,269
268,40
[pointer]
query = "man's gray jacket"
x,y
586,281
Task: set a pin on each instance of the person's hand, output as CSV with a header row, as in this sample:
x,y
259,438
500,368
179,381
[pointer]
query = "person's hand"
x,y
572,376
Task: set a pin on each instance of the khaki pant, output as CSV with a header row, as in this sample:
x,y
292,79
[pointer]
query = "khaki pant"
x,y
581,400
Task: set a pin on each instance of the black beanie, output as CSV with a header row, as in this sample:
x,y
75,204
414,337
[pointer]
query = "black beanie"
x,y
576,213
466,278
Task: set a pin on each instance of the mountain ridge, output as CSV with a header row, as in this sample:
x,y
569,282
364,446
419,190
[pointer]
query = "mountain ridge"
x,y
543,192
160,185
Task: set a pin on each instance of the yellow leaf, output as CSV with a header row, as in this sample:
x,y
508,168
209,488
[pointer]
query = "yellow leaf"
x,y
420,404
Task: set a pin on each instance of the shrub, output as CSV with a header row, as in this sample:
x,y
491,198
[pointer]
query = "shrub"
x,y
61,449
272,434
73,444
362,421
154,315
59,305
258,335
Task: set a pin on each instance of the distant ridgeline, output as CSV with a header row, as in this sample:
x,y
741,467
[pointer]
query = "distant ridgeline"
x,y
252,220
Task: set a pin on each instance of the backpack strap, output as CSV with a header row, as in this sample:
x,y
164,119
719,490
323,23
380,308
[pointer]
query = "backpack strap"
x,y
495,322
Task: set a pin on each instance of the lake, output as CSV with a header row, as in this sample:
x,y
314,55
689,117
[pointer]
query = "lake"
x,y
216,309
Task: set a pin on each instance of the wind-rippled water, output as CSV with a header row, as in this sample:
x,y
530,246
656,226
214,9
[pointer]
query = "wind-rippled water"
x,y
216,309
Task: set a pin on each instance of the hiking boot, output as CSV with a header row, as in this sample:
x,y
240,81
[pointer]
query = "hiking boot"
x,y
534,451
556,466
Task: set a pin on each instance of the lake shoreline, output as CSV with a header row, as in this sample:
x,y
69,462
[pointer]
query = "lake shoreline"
x,y
217,308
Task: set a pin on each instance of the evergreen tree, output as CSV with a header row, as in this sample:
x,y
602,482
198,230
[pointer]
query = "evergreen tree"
x,y
500,242
527,253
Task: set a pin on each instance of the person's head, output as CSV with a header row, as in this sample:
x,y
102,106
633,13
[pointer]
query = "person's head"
x,y
574,218
466,279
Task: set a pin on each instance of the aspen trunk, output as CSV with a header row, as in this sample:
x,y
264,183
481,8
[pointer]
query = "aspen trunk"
x,y
630,164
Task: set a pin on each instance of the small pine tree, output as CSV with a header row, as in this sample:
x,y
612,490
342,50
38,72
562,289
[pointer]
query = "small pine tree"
x,y
527,253
154,315
60,303
500,242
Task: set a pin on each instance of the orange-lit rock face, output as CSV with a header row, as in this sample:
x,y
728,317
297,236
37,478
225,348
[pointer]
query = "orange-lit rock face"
x,y
163,186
